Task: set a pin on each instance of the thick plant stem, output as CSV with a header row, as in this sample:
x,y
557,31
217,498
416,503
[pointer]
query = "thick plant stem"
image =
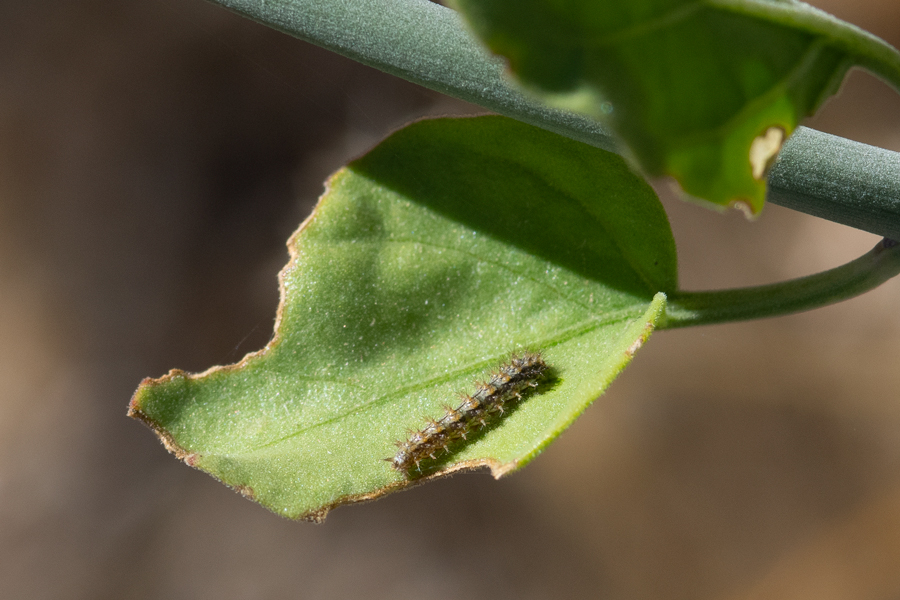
x,y
839,180
422,42
428,44
867,272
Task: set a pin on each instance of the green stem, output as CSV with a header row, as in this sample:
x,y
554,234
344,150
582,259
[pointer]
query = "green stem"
x,y
685,309
428,44
839,180
424,43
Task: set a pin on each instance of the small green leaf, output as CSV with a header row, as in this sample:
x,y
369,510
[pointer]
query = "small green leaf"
x,y
703,91
426,262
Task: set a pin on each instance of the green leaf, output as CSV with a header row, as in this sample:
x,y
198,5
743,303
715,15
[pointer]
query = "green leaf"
x,y
426,262
702,91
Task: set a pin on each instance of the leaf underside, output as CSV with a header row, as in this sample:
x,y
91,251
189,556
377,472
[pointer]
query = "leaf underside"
x,y
425,264
704,92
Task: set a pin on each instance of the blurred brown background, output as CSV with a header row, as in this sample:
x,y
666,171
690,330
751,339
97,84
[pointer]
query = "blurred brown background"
x,y
155,155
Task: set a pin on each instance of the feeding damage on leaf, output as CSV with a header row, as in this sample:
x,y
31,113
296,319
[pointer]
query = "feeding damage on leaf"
x,y
764,149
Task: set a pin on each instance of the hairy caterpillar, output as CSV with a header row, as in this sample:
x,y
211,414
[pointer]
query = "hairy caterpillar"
x,y
505,385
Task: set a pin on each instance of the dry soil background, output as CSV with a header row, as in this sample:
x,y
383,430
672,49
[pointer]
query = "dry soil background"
x,y
154,157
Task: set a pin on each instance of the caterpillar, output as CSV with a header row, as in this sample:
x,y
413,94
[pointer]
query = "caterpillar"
x,y
523,370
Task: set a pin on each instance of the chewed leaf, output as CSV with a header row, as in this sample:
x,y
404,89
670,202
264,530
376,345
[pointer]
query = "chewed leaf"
x,y
453,244
703,91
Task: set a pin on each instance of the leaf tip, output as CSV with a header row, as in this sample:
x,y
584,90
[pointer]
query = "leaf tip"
x,y
746,208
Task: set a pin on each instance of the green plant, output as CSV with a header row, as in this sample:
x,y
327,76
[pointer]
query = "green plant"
x,y
457,241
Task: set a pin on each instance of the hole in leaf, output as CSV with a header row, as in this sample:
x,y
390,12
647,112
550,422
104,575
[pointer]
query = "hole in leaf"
x,y
763,151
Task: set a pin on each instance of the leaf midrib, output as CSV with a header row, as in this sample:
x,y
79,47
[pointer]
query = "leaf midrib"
x,y
571,332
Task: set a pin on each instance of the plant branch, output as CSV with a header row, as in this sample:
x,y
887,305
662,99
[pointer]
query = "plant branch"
x,y
840,180
867,272
428,44
422,42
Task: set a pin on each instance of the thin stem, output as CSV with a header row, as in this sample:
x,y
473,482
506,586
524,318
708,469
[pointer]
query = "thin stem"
x,y
867,272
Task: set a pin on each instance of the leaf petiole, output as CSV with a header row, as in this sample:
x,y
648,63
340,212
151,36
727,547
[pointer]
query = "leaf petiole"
x,y
685,309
